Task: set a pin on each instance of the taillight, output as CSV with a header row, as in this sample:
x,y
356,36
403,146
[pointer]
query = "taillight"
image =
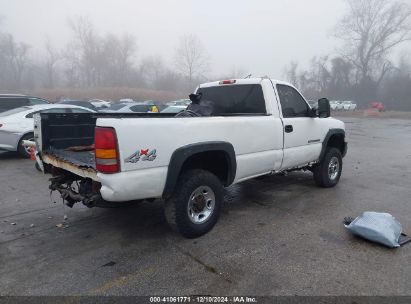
x,y
106,150
227,81
1,125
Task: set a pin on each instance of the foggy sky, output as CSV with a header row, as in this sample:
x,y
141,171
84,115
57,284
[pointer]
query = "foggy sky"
x,y
259,36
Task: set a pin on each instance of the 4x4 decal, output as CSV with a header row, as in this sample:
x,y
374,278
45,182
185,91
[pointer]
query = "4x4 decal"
x,y
143,155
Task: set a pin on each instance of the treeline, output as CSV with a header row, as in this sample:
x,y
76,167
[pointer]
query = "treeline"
x,y
334,78
363,69
94,60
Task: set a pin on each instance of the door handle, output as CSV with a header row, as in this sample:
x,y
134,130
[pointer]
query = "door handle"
x,y
288,129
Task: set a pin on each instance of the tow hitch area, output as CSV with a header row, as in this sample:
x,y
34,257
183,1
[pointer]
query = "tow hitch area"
x,y
74,190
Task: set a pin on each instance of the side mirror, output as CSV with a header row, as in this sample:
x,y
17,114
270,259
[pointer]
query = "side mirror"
x,y
324,109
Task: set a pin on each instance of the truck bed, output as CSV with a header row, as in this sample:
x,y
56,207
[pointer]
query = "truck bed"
x,y
60,132
81,159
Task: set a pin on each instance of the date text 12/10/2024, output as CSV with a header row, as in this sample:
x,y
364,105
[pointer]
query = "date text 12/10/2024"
x,y
203,299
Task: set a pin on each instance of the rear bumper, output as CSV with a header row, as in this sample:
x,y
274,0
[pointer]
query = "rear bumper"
x,y
133,185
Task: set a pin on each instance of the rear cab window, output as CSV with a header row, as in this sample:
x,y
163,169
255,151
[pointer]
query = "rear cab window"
x,y
235,99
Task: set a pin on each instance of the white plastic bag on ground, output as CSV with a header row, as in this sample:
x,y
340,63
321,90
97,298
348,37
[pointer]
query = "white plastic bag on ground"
x,y
381,228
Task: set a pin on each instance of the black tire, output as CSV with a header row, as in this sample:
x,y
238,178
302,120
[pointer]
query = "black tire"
x,y
21,149
327,177
180,207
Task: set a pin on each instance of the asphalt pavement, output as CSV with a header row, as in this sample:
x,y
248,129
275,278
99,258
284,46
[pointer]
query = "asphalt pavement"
x,y
280,235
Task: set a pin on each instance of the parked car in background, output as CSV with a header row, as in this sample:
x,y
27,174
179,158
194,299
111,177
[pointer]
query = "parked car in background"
x,y
334,105
12,101
349,105
100,104
124,100
132,107
377,105
160,106
340,106
181,102
17,124
174,109
79,103
313,104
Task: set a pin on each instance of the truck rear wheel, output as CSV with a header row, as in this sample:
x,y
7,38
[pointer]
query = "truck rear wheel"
x,y
328,172
195,206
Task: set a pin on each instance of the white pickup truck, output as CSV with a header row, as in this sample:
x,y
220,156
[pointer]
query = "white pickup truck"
x,y
256,127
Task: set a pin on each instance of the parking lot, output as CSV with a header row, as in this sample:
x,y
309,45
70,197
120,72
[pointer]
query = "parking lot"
x,y
280,235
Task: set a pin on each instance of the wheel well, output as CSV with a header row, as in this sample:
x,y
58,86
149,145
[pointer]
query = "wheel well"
x,y
21,138
216,162
337,141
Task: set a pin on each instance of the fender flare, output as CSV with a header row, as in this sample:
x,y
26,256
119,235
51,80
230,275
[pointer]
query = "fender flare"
x,y
180,155
330,133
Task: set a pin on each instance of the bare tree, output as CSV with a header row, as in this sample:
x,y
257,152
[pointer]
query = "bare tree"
x,y
319,74
370,30
152,68
191,58
126,49
52,56
237,72
72,66
14,60
291,73
89,45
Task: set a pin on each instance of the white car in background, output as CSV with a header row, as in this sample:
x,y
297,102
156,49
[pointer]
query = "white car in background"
x,y
174,109
125,100
334,105
100,104
181,102
349,105
132,107
17,124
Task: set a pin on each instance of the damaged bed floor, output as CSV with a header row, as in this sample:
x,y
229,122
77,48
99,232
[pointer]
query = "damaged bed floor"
x,y
276,236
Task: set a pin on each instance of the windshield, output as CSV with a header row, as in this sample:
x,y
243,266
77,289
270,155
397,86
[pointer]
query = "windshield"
x,y
117,106
173,109
141,108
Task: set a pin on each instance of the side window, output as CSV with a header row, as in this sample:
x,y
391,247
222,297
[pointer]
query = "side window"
x,y
30,115
76,110
140,108
12,103
54,110
292,103
57,110
36,101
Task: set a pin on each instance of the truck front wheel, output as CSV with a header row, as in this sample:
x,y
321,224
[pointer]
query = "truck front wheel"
x,y
328,172
195,206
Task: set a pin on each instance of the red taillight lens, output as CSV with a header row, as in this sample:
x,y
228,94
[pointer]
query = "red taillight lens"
x,y
228,82
106,150
1,125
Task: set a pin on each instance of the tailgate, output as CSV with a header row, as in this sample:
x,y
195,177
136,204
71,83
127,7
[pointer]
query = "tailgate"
x,y
66,141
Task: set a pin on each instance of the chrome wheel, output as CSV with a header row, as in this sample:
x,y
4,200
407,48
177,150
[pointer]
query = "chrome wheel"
x,y
333,168
201,205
